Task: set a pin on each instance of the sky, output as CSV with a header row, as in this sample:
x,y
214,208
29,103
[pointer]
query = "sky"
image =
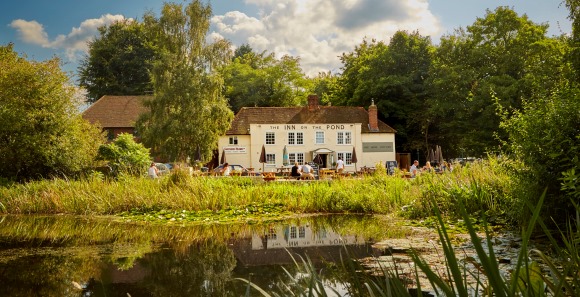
x,y
316,31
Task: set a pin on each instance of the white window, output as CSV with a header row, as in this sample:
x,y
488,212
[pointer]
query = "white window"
x,y
270,138
233,140
346,157
292,232
344,138
319,137
272,233
295,138
301,232
296,157
271,159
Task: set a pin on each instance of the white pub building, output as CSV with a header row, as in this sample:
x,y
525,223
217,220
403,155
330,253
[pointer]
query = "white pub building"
x,y
314,133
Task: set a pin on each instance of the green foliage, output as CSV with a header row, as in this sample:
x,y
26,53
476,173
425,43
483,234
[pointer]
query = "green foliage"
x,y
503,55
41,130
488,188
545,137
254,79
248,214
394,75
188,111
125,156
119,61
571,183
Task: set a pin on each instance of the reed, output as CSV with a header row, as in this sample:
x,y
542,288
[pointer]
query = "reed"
x,y
558,277
484,188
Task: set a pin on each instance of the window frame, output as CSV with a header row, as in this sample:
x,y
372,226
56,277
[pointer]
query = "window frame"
x,y
296,157
317,138
233,140
295,138
270,159
270,138
346,158
344,137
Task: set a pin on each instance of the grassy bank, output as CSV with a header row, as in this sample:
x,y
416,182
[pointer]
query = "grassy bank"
x,y
486,186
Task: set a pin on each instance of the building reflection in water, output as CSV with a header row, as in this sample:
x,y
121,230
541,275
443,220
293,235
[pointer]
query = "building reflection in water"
x,y
279,242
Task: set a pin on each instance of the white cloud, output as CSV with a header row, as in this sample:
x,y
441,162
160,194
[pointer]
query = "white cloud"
x,y
31,32
319,31
74,43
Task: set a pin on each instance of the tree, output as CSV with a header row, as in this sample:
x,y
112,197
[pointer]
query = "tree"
x,y
41,130
262,80
501,55
242,50
545,136
124,155
118,62
188,112
394,77
328,87
574,54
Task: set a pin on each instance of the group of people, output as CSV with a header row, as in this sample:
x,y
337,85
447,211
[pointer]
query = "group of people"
x,y
307,172
302,172
414,170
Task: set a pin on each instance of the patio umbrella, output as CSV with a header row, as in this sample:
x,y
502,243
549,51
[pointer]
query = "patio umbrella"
x,y
440,155
263,157
432,156
223,159
285,156
198,154
353,159
436,155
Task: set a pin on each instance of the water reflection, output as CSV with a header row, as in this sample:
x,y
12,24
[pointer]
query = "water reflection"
x,y
71,256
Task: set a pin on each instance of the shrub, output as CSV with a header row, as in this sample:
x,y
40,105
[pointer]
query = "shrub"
x,y
545,137
125,156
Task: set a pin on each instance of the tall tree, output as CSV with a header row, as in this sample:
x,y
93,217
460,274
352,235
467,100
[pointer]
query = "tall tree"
x,y
188,112
502,55
41,130
262,80
574,55
394,77
118,62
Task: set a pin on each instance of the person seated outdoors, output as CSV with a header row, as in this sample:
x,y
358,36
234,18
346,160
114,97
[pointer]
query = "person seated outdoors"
x,y
414,168
427,167
296,171
306,172
226,169
153,172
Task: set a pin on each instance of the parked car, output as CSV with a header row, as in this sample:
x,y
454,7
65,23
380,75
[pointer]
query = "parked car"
x,y
162,169
233,168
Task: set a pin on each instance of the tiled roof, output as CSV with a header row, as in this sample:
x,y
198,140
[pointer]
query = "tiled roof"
x,y
116,111
302,115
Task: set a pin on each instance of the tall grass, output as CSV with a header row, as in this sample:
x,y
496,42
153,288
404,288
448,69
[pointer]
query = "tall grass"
x,y
486,187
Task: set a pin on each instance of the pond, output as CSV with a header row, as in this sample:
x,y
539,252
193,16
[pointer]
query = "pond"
x,y
86,256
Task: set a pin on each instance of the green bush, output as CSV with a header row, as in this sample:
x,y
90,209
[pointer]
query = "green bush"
x,y
41,130
125,156
545,137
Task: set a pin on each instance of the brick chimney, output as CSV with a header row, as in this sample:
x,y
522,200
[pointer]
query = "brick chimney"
x,y
373,119
312,102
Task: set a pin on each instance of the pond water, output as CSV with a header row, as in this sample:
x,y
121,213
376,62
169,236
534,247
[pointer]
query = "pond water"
x,y
82,256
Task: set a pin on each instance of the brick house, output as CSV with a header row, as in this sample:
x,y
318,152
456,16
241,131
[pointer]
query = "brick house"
x,y
116,114
303,134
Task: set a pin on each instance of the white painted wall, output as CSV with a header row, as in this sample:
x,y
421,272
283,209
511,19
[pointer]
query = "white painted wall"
x,y
247,151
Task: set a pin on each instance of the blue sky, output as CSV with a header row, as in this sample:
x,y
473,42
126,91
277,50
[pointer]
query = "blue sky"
x,y
318,31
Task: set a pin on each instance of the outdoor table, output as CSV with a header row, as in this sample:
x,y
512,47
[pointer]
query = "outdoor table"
x,y
326,173
284,171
